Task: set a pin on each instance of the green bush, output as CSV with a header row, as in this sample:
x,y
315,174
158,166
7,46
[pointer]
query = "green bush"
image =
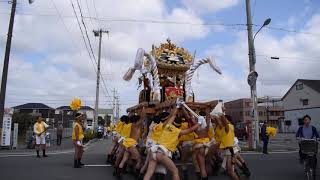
x,y
89,135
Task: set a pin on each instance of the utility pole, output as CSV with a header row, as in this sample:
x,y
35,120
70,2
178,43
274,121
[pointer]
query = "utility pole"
x,y
6,61
114,104
7,58
252,79
96,107
118,108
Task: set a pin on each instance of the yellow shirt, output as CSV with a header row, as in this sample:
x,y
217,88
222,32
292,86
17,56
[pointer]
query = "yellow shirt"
x,y
156,132
211,132
119,126
187,137
126,130
81,134
170,137
225,139
39,127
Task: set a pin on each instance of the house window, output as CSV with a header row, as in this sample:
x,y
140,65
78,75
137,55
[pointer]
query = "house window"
x,y
299,87
241,113
305,102
260,113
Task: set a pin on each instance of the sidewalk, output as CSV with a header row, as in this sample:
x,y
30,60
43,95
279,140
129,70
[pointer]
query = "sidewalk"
x,y
66,144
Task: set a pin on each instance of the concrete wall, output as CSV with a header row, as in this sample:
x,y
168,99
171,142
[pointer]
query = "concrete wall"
x,y
294,115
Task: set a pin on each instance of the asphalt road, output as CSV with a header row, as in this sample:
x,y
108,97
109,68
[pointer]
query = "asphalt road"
x,y
58,166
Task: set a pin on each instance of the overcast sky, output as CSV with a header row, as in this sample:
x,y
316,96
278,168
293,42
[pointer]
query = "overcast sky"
x,y
49,61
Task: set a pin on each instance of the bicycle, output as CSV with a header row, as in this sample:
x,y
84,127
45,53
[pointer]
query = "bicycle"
x,y
309,150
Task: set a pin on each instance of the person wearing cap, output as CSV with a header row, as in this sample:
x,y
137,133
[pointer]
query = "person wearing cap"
x,y
167,144
39,129
131,142
77,137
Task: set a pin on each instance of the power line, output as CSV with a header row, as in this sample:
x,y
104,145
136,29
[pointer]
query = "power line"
x,y
92,61
84,40
231,26
85,28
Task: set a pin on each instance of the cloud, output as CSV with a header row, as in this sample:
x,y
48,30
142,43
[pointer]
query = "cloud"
x,y
298,54
50,63
211,6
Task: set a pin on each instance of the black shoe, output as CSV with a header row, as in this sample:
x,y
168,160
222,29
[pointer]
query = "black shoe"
x,y
204,178
81,164
185,175
119,173
115,171
141,176
38,156
301,161
75,164
44,155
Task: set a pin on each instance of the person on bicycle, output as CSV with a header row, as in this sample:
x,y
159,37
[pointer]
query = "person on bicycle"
x,y
306,131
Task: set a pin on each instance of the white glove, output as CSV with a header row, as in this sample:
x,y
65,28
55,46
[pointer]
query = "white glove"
x,y
79,143
202,122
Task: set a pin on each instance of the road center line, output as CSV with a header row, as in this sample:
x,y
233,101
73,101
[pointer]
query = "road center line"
x,y
98,165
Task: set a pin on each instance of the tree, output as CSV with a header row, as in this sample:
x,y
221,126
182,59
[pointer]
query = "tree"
x,y
24,120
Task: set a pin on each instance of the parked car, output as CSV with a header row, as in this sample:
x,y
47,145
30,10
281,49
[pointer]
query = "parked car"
x,y
241,130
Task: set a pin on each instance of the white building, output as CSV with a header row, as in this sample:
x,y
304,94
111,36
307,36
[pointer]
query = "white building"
x,y
301,99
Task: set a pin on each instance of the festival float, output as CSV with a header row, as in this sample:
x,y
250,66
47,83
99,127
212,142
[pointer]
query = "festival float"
x,y
166,74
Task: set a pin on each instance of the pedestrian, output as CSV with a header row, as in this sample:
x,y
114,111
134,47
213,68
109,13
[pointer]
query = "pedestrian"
x,y
39,129
264,138
307,131
77,137
59,134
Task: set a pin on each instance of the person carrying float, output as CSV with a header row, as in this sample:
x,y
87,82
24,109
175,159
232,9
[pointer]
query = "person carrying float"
x,y
224,135
155,131
168,141
201,144
116,137
130,143
186,142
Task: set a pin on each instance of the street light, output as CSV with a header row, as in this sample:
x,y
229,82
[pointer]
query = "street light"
x,y
266,22
6,59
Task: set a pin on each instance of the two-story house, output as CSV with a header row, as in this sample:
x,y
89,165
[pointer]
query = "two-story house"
x,y
65,115
302,98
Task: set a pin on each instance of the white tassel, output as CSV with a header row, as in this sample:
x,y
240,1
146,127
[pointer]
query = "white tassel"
x,y
190,72
129,74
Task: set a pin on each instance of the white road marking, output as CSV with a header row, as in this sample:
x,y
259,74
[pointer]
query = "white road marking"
x,y
98,165
274,152
33,154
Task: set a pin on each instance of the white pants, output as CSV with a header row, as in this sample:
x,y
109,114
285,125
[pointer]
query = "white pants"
x,y
150,143
40,139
